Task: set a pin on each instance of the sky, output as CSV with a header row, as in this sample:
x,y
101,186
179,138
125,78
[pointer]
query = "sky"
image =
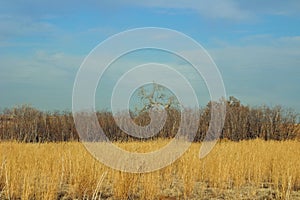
x,y
255,45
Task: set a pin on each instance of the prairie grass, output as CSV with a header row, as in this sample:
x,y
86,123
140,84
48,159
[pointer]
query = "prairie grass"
x,y
68,171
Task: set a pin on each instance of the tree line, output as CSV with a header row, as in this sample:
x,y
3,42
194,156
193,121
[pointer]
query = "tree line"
x,y
28,124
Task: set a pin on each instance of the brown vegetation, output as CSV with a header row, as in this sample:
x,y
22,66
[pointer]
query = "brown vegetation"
x,y
254,169
265,167
27,124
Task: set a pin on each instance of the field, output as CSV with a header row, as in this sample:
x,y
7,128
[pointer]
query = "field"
x,y
253,169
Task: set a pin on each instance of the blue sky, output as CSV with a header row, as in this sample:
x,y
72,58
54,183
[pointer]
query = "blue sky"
x,y
255,44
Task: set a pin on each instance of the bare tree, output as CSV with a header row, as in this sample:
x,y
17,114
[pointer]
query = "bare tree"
x,y
27,124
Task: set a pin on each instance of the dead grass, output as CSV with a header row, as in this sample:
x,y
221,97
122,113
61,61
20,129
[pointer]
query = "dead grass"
x,y
67,171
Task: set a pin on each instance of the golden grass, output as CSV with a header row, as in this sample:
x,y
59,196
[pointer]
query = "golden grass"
x,y
67,170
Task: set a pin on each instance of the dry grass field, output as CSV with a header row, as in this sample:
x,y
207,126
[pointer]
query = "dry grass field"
x,y
253,169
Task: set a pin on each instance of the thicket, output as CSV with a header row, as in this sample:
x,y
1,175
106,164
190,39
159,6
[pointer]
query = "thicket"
x,y
27,124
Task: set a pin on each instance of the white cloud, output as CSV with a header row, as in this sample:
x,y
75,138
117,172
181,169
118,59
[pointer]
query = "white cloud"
x,y
272,7
41,68
12,26
263,71
260,52
230,10
217,9
224,9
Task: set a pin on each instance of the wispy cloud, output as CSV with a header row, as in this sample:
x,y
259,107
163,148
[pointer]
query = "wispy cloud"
x,y
216,9
272,7
41,68
262,71
226,9
260,52
12,26
42,43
